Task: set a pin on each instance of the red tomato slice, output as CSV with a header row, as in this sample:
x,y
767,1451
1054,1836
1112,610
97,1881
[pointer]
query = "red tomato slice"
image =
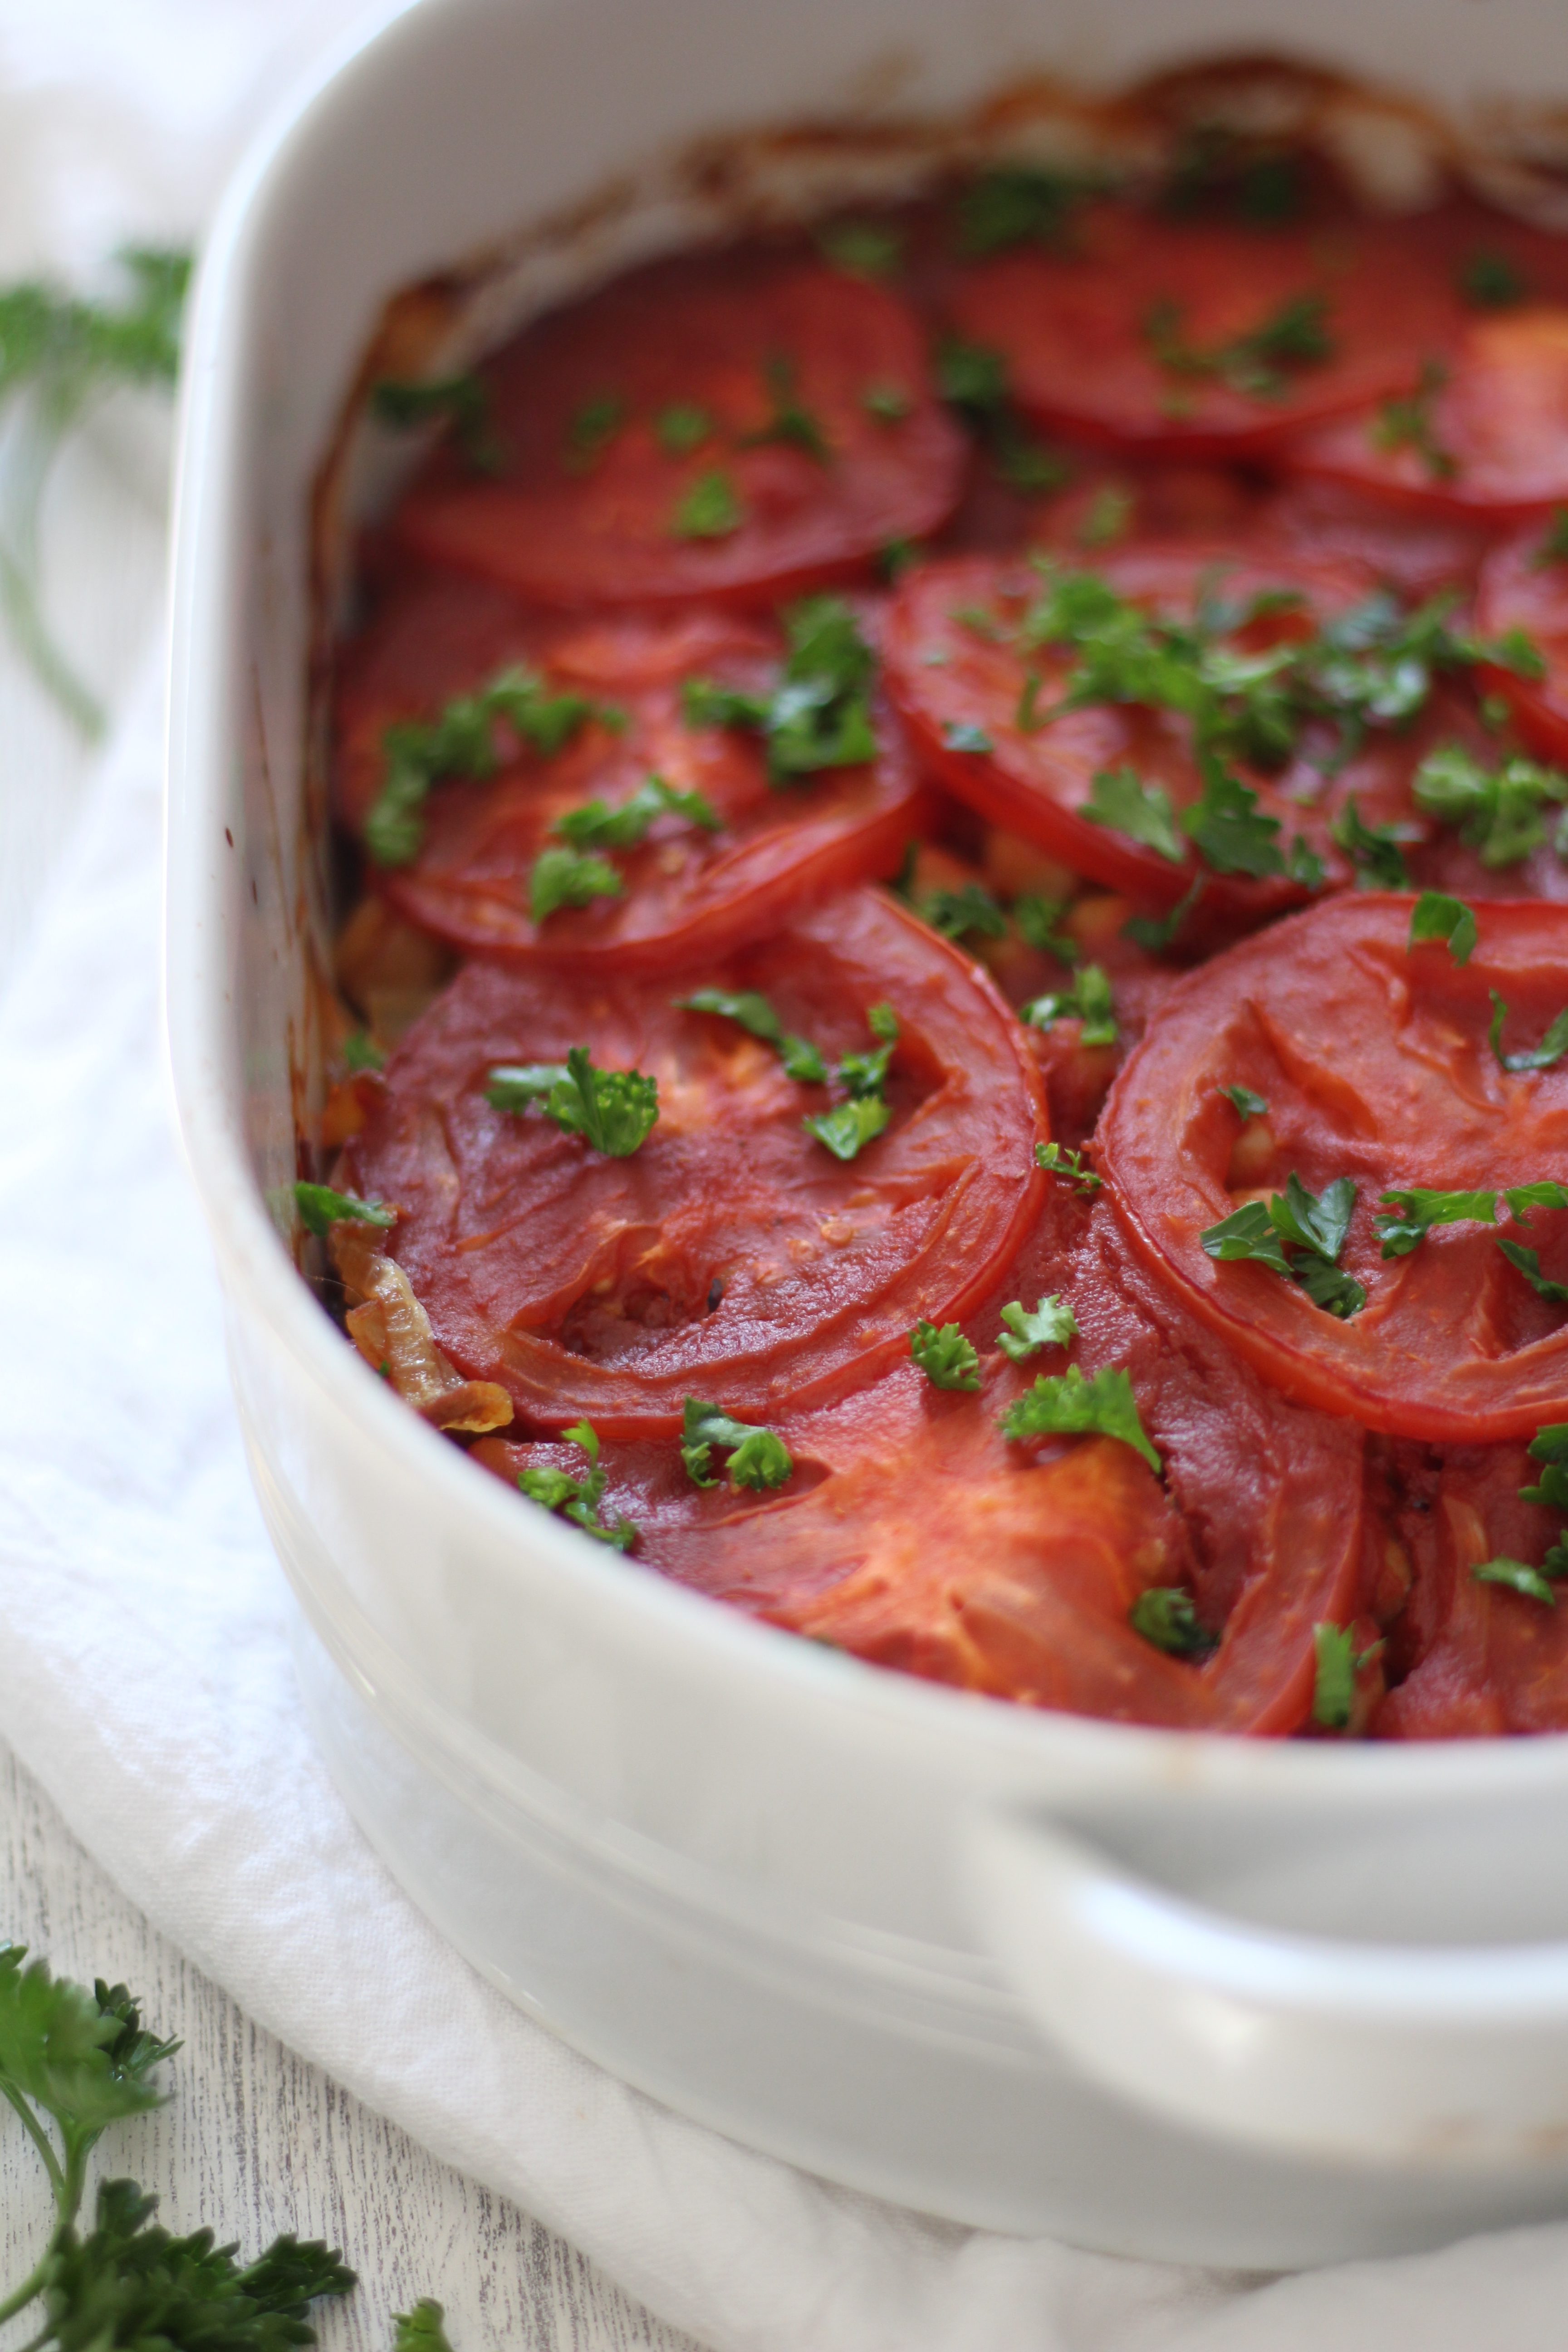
x,y
731,1254
1373,1060
700,427
913,1534
1524,586
1153,332
955,672
1486,1660
1491,440
1416,553
687,892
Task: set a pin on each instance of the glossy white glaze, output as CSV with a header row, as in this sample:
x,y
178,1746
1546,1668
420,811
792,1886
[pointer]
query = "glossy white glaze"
x,y
820,1906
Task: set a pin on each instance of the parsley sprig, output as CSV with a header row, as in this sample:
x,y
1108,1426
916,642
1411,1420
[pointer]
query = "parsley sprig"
x,y
1408,1215
1087,1001
819,714
802,1060
613,1110
850,1126
1544,1056
574,875
946,1358
1020,204
972,379
1406,422
1166,1615
460,402
72,2062
1067,1405
1260,361
1071,1166
759,1458
1052,1324
461,740
1338,1662
1313,1226
1500,811
1436,916
579,1499
320,1208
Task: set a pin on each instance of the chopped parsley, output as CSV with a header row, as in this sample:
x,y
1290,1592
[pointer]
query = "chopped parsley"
x,y
790,423
1158,933
613,1110
861,249
1548,1446
1544,1056
709,508
1107,517
1554,546
568,877
972,379
1490,280
1496,810
819,714
1166,1615
1088,1000
1374,850
1258,363
1056,1161
759,1458
461,741
1038,924
1229,835
1438,917
1528,1262
1338,1664
899,556
944,1356
579,1499
970,912
1052,1325
1066,1404
682,427
360,1052
962,735
1409,1215
461,403
848,1126
597,825
1315,1224
1518,1576
1121,801
1019,204
890,403
592,429
319,1207
801,1058
1245,1103
1406,423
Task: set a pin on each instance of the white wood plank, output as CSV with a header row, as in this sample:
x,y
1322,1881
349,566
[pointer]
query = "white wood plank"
x,y
254,2141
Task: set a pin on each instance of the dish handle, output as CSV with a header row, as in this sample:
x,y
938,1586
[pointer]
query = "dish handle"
x,y
1434,2054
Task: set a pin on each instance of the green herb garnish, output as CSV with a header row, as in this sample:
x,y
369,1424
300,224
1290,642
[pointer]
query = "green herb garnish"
x,y
319,1208
861,249
1258,363
819,714
801,1058
1491,281
1019,204
890,403
1071,1166
1528,1262
962,735
1066,1404
1158,933
567,877
461,741
422,2329
1374,850
613,1110
1164,1615
848,1126
759,1458
360,1052
944,1356
682,427
597,825
1052,1325
709,508
1122,802
1088,1000
1544,1056
970,912
1496,810
1436,916
461,403
1338,1664
1406,423
592,429
1245,1103
1518,1576
579,1499
1038,924
789,423
1315,1224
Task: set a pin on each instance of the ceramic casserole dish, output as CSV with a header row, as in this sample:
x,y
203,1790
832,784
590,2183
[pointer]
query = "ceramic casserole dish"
x,y
1259,2003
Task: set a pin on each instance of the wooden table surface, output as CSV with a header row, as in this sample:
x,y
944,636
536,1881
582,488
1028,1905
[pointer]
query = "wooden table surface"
x,y
253,2141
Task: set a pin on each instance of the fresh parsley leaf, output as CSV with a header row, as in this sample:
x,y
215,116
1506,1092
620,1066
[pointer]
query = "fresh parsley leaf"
x,y
1259,361
561,878
967,913
1249,1232
682,427
819,714
1039,923
709,508
360,1052
861,249
1159,934
802,1060
1231,836
1065,1403
1436,917
1548,1446
1498,811
461,403
422,2329
461,741
848,1126
1107,517
790,423
1023,463
1314,1223
579,1499
1088,1000
1528,1260
1164,1615
759,1458
1019,204
899,556
597,825
613,1110
1244,1102
319,1207
1334,1686
1520,1198
1490,280
1374,849
593,428
944,1356
1056,1161
82,2059
1544,1056
971,378
1554,546
1518,1577
1121,799
962,735
1052,1325
1409,1215
1407,422
890,403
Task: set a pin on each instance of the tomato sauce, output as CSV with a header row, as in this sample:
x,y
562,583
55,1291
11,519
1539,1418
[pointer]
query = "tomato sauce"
x,y
953,1022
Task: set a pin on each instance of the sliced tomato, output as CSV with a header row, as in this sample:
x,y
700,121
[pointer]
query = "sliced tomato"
x,y
1523,586
687,890
1374,1063
1485,1660
956,671
913,1534
737,426
1154,332
732,1253
1416,553
1488,440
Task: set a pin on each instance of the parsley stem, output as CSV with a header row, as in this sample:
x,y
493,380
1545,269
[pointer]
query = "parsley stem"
x,y
28,456
51,2162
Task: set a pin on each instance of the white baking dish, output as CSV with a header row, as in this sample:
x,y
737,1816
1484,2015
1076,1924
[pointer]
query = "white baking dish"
x,y
1185,1997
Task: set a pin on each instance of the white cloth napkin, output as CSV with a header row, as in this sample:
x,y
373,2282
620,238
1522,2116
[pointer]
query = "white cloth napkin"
x,y
145,1675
